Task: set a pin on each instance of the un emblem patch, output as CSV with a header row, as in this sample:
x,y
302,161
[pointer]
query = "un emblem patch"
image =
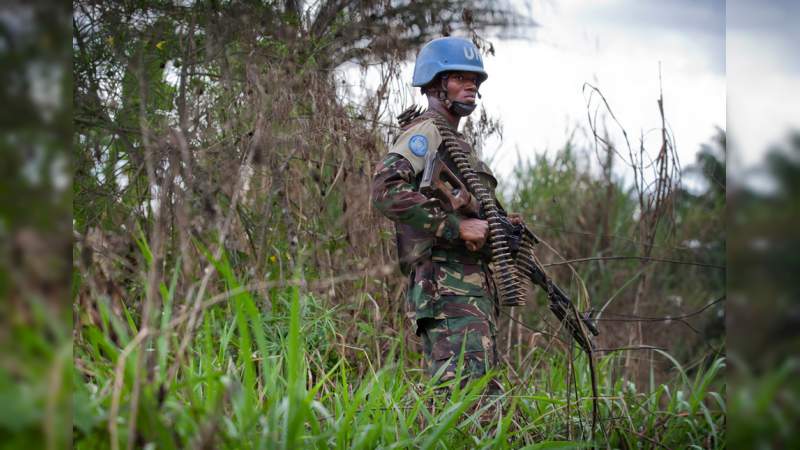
x,y
418,144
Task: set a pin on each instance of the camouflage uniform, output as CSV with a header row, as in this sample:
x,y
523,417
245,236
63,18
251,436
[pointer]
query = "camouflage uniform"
x,y
451,296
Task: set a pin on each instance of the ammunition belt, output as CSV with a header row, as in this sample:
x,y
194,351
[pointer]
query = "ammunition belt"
x,y
509,285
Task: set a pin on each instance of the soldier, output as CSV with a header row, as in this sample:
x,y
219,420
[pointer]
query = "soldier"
x,y
451,297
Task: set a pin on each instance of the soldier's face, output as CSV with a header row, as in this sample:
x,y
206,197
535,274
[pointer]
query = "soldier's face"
x,y
462,86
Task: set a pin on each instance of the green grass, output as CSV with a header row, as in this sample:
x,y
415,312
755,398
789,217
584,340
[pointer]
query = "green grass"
x,y
281,379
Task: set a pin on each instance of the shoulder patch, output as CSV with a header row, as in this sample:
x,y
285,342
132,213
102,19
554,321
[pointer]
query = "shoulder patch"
x,y
416,142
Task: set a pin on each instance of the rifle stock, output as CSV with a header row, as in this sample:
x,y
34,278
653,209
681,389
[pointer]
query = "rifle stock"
x,y
440,182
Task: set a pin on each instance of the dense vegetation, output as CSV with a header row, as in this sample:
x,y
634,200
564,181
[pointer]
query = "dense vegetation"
x,y
291,367
233,288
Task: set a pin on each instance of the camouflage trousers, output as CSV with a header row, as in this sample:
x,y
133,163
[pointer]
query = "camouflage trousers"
x,y
455,310
443,340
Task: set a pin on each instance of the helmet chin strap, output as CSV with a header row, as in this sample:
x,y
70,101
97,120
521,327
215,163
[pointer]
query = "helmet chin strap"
x,y
460,109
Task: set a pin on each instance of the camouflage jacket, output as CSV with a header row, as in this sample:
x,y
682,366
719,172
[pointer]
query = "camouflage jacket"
x,y
430,250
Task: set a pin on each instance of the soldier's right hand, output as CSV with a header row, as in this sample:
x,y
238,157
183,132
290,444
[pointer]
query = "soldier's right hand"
x,y
474,233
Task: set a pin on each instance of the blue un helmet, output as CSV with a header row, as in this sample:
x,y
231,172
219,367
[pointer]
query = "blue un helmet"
x,y
447,54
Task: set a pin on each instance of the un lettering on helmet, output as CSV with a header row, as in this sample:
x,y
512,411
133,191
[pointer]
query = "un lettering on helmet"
x,y
471,52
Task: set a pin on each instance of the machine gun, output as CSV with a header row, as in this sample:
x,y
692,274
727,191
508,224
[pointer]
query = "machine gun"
x,y
560,303
440,182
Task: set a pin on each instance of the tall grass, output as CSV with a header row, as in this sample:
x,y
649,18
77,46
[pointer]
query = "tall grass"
x,y
278,378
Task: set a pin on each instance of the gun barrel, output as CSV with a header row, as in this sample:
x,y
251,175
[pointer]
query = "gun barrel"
x,y
562,297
